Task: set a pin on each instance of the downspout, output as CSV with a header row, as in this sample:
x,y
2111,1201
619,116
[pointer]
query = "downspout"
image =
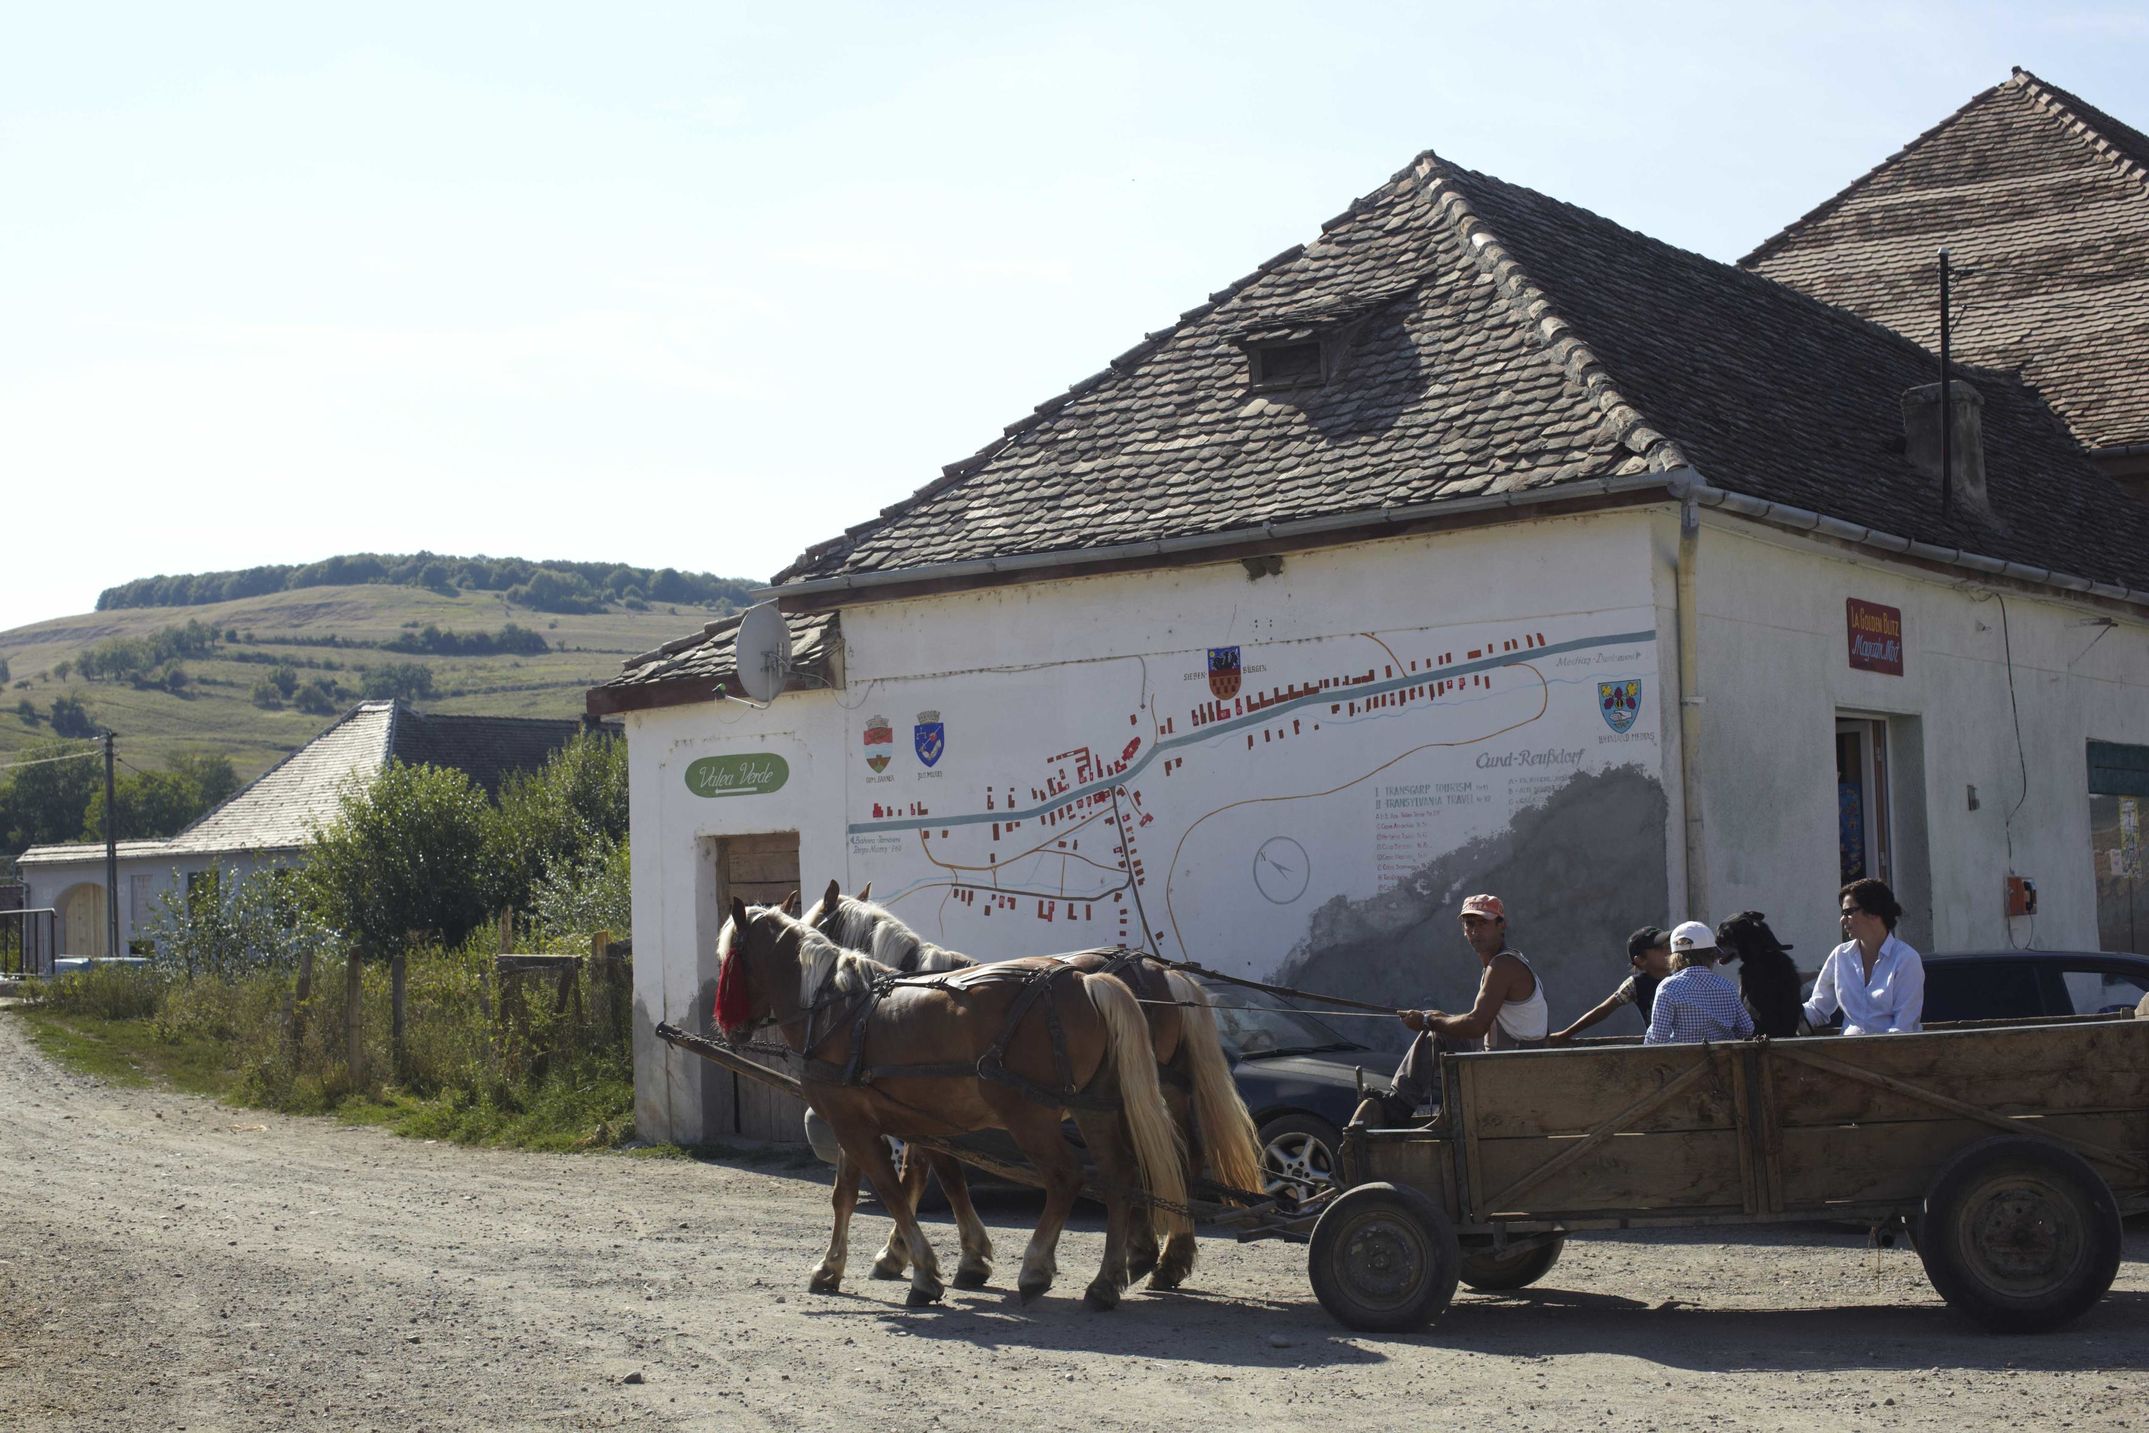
x,y
1689,619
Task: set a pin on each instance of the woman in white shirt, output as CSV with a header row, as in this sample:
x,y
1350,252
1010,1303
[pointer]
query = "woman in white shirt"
x,y
1876,980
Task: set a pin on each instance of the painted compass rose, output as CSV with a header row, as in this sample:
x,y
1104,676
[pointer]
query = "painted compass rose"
x,y
1281,870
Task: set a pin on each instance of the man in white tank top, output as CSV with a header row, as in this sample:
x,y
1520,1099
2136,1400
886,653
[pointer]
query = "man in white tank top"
x,y
1510,1011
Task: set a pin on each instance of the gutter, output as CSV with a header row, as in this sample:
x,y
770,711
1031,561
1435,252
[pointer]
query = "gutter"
x,y
1687,485
1370,520
1681,485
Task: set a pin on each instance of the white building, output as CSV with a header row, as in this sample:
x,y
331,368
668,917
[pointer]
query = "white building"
x,y
1480,544
269,822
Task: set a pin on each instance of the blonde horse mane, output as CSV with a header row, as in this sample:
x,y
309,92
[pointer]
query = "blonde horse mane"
x,y
823,965
879,934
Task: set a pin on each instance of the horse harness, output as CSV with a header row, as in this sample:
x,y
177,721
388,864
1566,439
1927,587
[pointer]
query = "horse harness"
x,y
1040,985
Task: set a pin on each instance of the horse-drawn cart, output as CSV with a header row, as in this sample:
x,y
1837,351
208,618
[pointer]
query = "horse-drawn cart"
x,y
2009,1154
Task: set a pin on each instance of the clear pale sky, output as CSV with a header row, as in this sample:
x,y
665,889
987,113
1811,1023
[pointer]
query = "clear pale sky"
x,y
698,285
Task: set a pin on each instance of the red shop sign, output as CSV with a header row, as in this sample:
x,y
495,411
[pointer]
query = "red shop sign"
x,y
1876,636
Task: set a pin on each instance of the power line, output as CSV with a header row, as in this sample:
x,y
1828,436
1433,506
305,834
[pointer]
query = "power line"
x,y
49,760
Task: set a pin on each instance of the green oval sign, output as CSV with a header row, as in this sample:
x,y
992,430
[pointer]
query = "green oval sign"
x,y
757,773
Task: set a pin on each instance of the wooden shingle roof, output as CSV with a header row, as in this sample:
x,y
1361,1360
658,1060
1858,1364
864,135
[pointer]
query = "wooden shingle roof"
x,y
2045,198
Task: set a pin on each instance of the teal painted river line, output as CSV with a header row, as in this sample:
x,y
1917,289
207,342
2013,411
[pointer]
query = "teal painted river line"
x,y
1260,718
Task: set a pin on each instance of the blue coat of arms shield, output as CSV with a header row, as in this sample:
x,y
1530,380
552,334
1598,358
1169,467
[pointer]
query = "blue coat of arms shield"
x,y
1620,702
929,737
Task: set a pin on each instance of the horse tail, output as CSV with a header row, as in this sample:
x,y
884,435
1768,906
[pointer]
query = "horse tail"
x,y
1220,1114
1157,1152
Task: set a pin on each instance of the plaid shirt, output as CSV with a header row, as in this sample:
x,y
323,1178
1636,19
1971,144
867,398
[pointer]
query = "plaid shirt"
x,y
1698,1004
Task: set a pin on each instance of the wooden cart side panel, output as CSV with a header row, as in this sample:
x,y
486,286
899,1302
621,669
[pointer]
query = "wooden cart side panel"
x,y
2031,1070
1513,1093
1859,1163
1696,1170
1423,1162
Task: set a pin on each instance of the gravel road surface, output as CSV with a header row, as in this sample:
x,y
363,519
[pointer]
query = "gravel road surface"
x,y
171,1263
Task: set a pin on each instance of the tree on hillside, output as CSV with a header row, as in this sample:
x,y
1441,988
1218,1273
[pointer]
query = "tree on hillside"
x,y
4,672
405,681
69,718
405,854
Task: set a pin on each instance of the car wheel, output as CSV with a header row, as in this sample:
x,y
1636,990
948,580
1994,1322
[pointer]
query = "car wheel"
x,y
1298,1156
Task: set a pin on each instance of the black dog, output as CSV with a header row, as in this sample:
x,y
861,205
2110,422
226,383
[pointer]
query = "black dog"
x,y
1768,980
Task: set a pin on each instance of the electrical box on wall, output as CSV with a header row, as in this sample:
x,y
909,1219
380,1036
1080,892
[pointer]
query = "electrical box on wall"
x,y
2021,896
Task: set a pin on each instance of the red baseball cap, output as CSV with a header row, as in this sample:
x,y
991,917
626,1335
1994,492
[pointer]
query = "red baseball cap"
x,y
1485,906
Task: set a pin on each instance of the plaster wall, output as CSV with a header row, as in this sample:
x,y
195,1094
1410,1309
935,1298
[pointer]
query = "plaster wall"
x,y
1775,675
49,883
1299,772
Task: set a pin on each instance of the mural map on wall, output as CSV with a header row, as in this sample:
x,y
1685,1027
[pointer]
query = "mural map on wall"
x,y
1224,803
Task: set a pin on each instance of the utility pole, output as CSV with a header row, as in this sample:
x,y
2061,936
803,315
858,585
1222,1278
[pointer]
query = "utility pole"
x,y
111,854
1947,409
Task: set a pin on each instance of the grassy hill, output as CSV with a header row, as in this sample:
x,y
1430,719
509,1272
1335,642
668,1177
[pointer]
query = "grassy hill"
x,y
330,633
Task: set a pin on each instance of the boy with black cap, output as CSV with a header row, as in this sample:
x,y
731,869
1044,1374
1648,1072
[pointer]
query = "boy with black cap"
x,y
1649,952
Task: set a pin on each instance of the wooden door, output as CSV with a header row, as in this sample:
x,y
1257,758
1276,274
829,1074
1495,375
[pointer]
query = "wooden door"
x,y
85,916
761,870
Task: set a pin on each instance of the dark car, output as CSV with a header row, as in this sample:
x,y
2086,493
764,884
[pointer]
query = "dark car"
x,y
2028,984
1298,1076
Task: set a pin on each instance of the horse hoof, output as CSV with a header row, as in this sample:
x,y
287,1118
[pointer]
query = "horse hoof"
x,y
819,1284
1140,1264
888,1269
1103,1295
918,1298
1167,1279
1031,1290
972,1278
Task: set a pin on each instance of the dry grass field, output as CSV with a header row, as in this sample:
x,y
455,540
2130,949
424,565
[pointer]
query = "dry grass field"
x,y
216,714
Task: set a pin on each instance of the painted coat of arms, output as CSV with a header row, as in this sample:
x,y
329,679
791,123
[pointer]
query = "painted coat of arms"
x,y
880,743
930,738
1224,672
1620,702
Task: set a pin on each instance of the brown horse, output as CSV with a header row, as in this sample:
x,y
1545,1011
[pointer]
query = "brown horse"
x,y
1011,1047
1204,1100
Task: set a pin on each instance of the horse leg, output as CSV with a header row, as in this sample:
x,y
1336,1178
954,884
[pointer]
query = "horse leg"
x,y
1177,1260
975,1269
1116,1171
1142,1254
925,1285
894,1257
1040,1139
828,1274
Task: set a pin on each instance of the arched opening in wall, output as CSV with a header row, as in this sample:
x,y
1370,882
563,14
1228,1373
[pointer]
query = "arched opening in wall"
x,y
82,920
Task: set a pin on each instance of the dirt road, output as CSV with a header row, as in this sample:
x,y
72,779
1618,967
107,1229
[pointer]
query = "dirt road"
x,y
169,1263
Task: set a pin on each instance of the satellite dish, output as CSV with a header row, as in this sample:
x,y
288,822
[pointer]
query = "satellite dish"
x,y
762,652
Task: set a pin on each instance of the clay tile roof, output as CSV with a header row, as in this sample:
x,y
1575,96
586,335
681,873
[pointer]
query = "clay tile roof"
x,y
1491,339
2046,198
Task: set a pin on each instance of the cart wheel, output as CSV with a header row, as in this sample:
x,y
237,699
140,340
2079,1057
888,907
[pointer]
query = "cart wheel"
x,y
1514,1269
1384,1259
2020,1235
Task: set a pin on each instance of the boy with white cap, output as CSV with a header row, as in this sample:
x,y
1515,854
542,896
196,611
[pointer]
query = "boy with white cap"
x,y
1695,1002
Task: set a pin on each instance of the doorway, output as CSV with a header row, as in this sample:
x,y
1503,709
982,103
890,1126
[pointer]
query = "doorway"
x,y
82,914
1864,831
761,870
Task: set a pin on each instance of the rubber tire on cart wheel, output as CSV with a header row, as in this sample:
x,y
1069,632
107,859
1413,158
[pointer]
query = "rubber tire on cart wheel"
x,y
1494,1273
2020,1235
1384,1259
1299,1150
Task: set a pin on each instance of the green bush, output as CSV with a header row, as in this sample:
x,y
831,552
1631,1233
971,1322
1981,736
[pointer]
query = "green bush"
x,y
107,992
406,855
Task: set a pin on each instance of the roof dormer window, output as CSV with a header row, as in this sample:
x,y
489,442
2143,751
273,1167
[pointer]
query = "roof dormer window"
x,y
1292,363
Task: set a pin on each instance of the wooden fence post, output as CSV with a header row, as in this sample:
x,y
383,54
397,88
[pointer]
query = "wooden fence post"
x,y
354,1019
396,970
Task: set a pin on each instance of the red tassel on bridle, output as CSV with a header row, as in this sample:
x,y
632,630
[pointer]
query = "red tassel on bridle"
x,y
734,1008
